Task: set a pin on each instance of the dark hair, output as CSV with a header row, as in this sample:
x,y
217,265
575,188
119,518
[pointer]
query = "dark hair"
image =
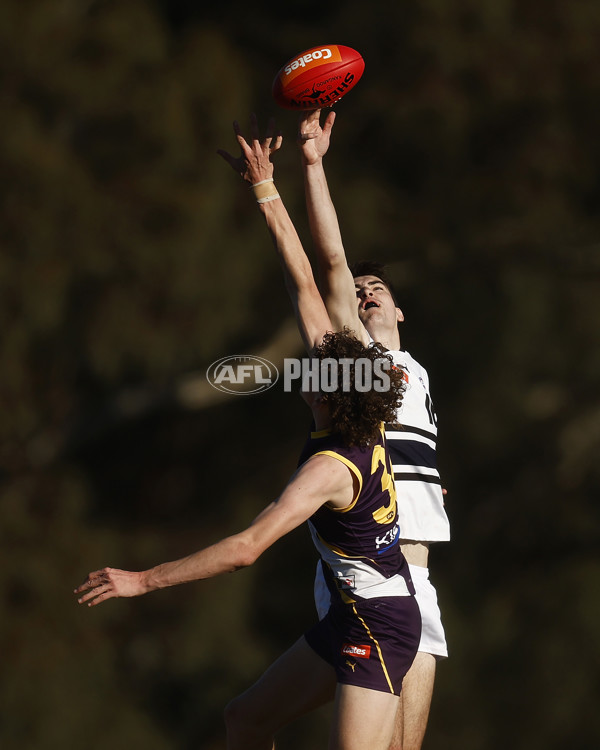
x,y
357,415
374,268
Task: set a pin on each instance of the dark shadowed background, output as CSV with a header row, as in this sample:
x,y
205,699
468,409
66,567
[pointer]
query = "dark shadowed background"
x,y
132,257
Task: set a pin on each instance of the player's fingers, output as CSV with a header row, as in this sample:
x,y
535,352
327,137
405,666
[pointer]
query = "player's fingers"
x,y
86,597
328,124
235,164
243,143
227,156
101,598
239,137
308,118
95,574
270,128
92,594
278,141
254,127
238,133
89,581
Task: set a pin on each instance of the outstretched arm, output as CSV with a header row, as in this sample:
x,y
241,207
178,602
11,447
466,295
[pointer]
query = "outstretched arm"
x,y
335,276
320,479
256,168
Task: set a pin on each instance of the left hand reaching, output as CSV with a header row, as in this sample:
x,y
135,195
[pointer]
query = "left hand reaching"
x,y
254,165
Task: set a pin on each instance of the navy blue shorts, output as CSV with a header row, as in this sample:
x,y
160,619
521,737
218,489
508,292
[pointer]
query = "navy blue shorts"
x,y
371,643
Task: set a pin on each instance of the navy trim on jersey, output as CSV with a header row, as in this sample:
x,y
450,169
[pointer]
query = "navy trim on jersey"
x,y
411,453
407,429
414,476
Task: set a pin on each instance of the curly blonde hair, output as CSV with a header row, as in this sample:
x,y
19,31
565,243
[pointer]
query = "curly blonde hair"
x,y
358,414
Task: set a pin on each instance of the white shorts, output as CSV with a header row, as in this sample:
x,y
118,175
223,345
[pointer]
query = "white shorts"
x,y
433,638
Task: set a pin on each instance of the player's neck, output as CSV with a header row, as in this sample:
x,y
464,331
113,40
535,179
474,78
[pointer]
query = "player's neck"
x,y
387,337
321,416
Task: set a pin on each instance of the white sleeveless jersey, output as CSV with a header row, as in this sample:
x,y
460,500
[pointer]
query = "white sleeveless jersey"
x,y
412,447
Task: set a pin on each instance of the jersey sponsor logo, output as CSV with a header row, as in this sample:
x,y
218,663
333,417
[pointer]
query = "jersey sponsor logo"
x,y
360,652
388,540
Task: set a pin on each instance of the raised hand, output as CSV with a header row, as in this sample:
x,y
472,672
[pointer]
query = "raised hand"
x,y
254,164
312,138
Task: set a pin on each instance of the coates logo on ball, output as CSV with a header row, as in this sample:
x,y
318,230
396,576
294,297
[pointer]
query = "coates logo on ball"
x,y
318,77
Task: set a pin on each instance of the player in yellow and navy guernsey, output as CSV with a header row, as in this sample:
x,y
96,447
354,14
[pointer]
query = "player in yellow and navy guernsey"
x,y
358,654
371,631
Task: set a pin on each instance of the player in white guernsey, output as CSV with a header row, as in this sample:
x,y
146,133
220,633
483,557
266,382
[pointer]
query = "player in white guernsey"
x,y
362,299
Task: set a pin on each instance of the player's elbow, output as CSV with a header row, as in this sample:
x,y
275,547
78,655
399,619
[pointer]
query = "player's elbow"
x,y
300,280
333,262
247,553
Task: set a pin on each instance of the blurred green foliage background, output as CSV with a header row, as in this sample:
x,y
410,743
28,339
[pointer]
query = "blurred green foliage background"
x,y
132,257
